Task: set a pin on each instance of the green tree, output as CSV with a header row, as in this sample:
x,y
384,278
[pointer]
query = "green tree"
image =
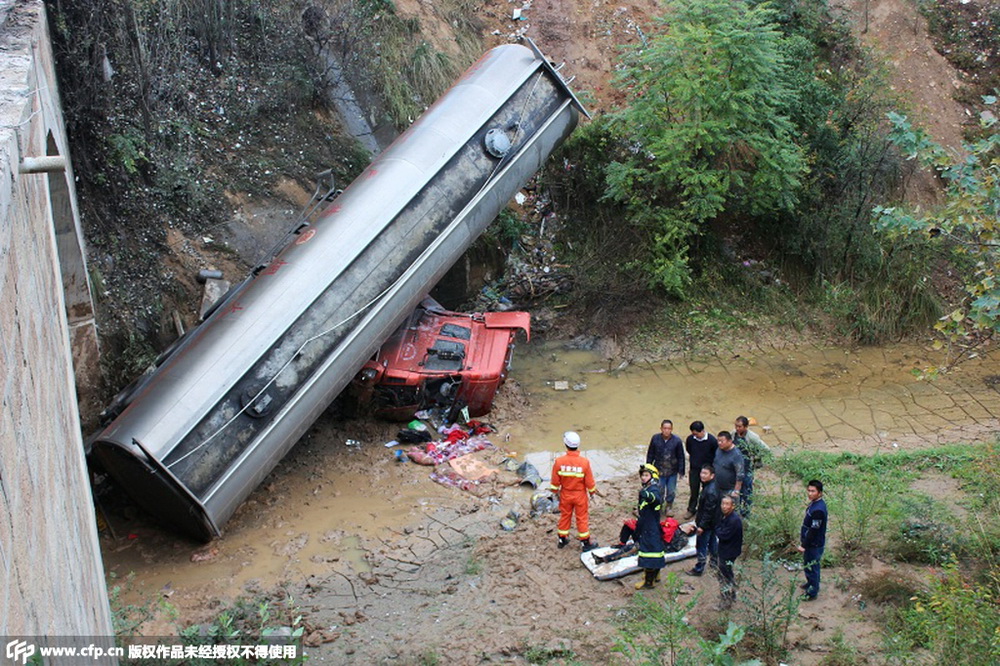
x,y
968,221
707,129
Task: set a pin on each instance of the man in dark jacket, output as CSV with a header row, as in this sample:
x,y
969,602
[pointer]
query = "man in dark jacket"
x,y
666,451
705,521
701,447
730,535
813,538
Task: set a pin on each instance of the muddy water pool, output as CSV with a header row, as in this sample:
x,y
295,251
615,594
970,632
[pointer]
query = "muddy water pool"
x,y
327,503
813,397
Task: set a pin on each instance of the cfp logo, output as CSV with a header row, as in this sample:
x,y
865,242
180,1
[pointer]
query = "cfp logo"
x,y
20,651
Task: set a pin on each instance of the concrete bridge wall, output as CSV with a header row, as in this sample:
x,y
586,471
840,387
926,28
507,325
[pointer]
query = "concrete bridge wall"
x,y
51,578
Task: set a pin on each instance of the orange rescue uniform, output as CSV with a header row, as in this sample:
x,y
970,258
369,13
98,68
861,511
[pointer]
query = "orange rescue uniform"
x,y
574,482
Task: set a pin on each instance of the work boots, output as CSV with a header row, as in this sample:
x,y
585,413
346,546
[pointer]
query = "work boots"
x,y
649,580
588,545
563,541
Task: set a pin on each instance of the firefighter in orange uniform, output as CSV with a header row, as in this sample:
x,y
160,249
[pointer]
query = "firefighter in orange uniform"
x,y
573,482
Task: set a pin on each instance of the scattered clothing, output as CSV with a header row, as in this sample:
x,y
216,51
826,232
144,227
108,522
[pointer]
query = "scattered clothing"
x,y
469,468
449,477
435,453
410,436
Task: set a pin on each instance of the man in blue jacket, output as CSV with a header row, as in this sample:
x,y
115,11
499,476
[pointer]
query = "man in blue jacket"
x,y
813,538
666,451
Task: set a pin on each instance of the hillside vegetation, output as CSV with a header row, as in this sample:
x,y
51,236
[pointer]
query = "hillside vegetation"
x,y
740,173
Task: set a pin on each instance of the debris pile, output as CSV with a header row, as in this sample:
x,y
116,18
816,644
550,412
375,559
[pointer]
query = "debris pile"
x,y
533,272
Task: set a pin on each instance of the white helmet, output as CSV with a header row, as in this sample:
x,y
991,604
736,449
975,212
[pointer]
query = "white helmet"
x,y
571,440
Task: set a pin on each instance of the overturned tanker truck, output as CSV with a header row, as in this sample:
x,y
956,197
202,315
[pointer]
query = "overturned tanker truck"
x,y
193,437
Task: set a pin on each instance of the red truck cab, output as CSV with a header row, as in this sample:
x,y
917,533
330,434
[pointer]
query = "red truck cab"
x,y
439,358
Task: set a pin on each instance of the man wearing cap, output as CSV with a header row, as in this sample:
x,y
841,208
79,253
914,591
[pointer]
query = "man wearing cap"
x,y
573,482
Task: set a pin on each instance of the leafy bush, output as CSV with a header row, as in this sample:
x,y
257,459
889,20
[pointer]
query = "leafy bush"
x,y
859,506
126,617
656,631
768,605
917,530
706,131
966,223
777,517
958,622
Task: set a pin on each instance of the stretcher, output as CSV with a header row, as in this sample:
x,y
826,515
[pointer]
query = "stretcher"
x,y
626,565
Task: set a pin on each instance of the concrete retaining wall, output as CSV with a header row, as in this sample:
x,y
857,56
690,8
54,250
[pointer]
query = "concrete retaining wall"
x,y
51,578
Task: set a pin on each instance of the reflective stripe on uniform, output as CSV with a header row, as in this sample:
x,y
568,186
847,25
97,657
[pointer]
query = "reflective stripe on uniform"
x,y
579,475
659,554
643,504
563,533
584,536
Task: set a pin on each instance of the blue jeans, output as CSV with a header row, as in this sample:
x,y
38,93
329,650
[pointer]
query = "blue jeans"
x,y
746,493
811,558
668,486
707,548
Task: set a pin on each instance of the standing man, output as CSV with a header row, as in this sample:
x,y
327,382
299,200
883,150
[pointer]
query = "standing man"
x,y
705,521
701,447
728,466
813,538
666,451
573,482
755,454
730,535
648,534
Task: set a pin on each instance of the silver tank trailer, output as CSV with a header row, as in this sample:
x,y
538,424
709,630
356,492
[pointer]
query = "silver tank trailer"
x,y
203,429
